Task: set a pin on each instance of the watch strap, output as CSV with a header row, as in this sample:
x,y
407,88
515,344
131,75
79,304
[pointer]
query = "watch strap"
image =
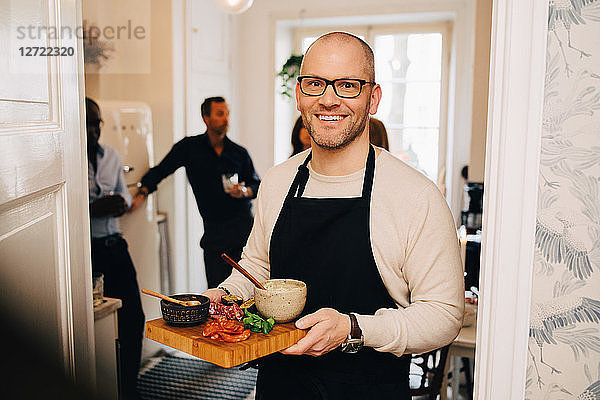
x,y
355,331
224,289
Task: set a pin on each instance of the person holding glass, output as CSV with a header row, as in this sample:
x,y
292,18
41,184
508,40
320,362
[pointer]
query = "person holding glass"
x,y
109,199
223,179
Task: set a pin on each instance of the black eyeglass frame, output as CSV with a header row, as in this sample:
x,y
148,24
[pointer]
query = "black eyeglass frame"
x,y
328,82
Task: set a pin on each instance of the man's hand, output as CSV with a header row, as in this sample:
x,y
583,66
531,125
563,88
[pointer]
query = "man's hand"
x,y
113,205
239,190
328,329
214,295
139,199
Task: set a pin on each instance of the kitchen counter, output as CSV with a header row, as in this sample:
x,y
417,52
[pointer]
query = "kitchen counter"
x,y
106,337
109,306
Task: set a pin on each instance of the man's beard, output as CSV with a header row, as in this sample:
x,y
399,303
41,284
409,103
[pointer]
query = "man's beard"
x,y
347,136
221,130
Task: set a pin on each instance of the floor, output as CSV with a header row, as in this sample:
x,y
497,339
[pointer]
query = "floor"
x,y
151,362
172,374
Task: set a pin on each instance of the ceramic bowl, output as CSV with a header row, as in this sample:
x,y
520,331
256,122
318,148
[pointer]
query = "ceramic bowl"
x,y
283,300
178,315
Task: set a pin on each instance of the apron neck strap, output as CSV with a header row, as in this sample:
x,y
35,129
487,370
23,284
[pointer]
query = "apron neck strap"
x,y
369,173
301,178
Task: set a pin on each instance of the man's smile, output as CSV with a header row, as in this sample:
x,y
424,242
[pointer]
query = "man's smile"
x,y
331,117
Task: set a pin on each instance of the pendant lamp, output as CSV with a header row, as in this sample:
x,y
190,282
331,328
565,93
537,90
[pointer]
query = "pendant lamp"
x,y
234,6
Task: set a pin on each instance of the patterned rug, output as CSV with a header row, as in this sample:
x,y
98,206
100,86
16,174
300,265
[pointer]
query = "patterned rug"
x,y
173,377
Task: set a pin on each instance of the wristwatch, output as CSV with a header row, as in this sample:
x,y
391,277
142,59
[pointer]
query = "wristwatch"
x,y
224,289
355,340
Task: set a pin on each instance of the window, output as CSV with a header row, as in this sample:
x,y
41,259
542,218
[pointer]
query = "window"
x,y
408,68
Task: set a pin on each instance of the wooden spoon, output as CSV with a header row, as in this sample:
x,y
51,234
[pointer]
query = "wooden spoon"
x,y
172,300
237,266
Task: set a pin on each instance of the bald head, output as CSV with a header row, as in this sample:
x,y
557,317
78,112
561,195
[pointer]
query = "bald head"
x,y
343,39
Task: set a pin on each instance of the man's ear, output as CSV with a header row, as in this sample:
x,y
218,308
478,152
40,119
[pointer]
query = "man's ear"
x,y
375,99
205,119
298,96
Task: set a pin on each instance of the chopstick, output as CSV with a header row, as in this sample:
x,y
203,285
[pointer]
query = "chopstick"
x,y
237,266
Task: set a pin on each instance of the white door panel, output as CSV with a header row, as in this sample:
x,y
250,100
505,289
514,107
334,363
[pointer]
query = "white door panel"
x,y
23,24
44,224
35,277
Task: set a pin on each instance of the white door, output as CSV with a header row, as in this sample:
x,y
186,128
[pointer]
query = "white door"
x,y
45,271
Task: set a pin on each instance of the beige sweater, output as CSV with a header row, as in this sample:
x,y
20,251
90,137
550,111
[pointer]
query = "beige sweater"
x,y
414,242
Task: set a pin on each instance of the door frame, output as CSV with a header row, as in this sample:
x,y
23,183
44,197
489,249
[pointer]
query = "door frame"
x,y
517,72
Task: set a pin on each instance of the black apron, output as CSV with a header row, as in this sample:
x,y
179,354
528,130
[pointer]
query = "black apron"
x,y
326,243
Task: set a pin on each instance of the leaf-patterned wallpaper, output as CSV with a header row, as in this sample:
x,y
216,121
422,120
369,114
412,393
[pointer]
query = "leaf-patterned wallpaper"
x,y
564,330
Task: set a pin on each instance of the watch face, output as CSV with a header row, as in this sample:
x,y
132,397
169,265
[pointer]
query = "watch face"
x,y
352,346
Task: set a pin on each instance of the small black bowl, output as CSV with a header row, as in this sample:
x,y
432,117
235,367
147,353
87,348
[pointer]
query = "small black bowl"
x,y
178,315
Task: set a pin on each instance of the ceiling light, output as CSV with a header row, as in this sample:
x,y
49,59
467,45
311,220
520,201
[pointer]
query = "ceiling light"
x,y
234,6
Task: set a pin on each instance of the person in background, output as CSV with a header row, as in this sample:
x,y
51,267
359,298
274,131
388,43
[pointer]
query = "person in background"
x,y
210,159
372,238
300,138
109,199
378,134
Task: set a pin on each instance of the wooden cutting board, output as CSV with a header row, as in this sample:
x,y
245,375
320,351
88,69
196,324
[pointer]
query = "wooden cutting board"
x,y
191,341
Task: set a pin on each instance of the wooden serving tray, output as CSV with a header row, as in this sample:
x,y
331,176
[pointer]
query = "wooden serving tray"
x,y
191,341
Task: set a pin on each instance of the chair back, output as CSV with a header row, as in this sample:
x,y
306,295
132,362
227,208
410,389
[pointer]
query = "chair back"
x,y
427,373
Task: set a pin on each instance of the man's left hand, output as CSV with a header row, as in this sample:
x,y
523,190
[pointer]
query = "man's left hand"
x,y
113,205
328,329
239,191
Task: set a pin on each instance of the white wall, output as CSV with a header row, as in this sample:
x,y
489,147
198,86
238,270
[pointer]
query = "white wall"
x,y
257,70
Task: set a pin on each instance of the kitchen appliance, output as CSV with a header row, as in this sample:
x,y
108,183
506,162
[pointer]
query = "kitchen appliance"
x,y
472,206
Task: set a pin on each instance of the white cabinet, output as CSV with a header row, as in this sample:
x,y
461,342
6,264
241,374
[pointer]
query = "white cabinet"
x,y
106,333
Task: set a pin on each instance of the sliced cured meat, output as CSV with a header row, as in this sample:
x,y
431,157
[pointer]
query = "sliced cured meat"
x,y
211,328
235,338
231,312
232,326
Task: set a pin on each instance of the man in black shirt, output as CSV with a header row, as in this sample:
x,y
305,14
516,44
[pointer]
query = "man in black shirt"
x,y
225,209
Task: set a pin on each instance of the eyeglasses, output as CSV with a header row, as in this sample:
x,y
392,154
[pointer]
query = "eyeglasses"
x,y
344,88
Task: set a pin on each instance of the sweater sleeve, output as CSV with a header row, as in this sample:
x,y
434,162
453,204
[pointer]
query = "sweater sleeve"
x,y
434,275
255,256
121,186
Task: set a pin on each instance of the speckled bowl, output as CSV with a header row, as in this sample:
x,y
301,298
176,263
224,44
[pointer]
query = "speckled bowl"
x,y
283,300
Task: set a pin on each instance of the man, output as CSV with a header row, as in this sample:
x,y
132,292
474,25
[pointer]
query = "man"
x,y
109,199
226,211
372,238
